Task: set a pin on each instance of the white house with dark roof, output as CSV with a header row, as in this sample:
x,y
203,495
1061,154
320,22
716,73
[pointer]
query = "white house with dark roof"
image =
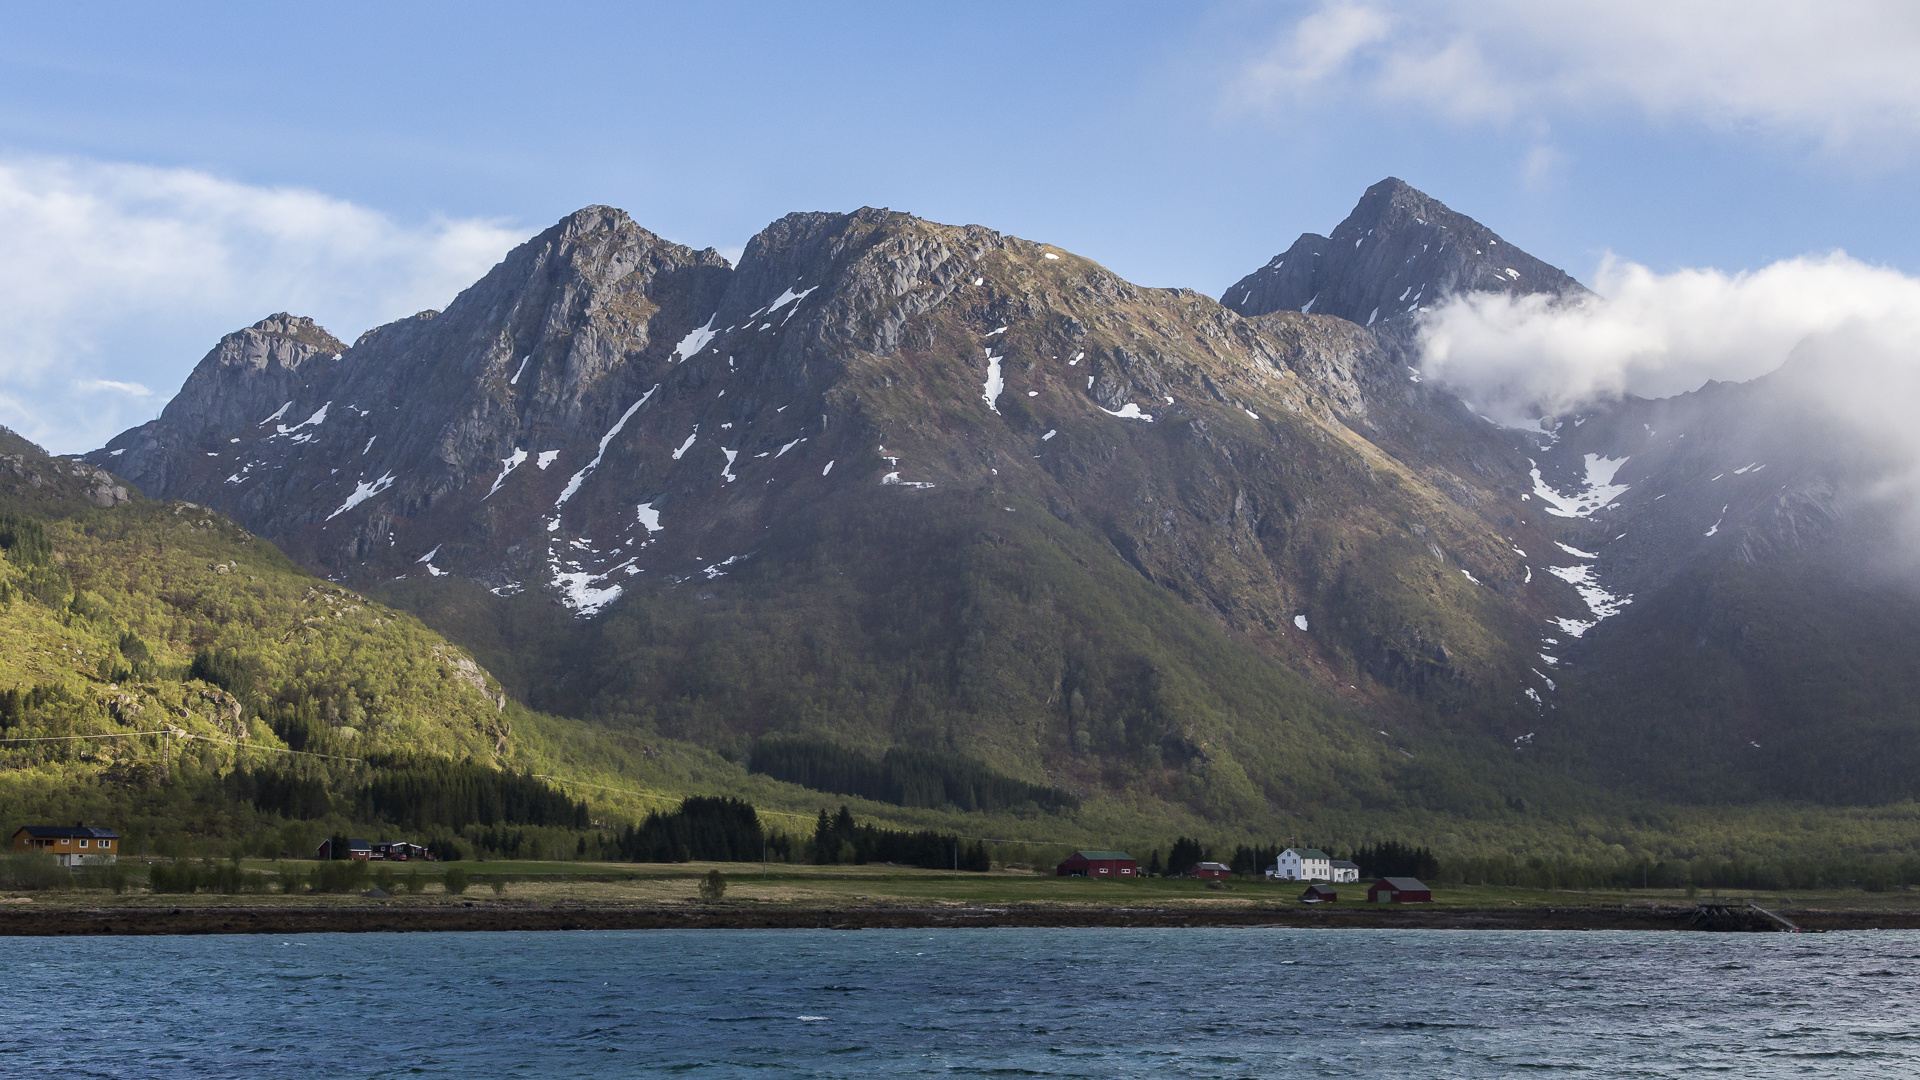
x,y
1344,871
1302,864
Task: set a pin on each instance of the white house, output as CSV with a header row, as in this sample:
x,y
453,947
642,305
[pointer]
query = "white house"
x,y
1302,864
1345,871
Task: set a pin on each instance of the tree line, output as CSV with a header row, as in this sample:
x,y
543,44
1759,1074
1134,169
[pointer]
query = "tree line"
x,y
714,829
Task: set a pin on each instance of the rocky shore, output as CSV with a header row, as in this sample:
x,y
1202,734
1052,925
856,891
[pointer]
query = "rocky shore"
x,y
382,917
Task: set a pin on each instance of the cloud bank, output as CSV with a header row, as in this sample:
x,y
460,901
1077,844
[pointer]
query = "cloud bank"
x,y
119,277
1656,335
1840,72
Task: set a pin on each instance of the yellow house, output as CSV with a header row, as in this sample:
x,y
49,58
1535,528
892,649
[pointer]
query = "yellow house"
x,y
78,845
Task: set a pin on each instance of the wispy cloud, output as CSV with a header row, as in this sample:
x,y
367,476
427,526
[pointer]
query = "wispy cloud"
x,y
1841,73
117,277
132,388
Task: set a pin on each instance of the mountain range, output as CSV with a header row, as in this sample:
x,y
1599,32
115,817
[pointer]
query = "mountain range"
x,y
892,483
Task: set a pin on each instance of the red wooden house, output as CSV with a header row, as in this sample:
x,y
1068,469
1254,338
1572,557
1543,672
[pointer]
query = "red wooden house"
x,y
1399,890
1098,864
1210,871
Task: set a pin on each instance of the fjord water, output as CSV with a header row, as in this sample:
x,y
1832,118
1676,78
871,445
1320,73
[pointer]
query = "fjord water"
x,y
1067,1003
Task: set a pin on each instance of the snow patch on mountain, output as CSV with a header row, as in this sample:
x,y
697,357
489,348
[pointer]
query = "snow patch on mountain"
x,y
580,477
363,491
994,384
1598,493
696,339
507,465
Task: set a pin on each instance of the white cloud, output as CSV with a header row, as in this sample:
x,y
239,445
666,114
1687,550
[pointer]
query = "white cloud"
x,y
1840,72
119,276
1316,49
1839,341
132,388
1655,335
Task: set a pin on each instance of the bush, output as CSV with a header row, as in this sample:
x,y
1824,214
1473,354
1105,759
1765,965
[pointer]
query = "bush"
x,y
416,883
34,870
174,877
340,876
713,887
454,881
384,881
499,883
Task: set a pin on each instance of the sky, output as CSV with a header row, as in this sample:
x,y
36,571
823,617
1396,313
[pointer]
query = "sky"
x,y
168,175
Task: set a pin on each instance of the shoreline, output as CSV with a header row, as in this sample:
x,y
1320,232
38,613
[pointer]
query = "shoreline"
x,y
379,917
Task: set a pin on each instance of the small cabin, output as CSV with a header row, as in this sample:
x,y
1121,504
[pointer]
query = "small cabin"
x,y
1098,864
1399,890
1319,894
1210,871
75,845
1344,871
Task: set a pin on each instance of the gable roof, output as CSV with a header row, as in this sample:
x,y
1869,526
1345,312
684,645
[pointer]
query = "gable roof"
x,y
1307,853
67,832
1211,866
1102,856
1342,864
1402,884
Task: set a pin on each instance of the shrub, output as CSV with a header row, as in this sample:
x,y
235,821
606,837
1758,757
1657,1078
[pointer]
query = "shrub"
x,y
339,876
713,887
416,883
34,870
384,881
454,881
499,883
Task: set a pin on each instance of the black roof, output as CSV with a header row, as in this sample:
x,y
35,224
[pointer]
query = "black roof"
x,y
68,832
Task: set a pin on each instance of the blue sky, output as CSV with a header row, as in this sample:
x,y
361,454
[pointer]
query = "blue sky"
x,y
167,175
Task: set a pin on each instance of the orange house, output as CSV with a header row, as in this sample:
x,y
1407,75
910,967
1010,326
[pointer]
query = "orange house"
x,y
78,845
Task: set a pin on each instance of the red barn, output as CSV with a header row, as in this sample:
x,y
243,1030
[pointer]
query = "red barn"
x,y
1210,871
1098,864
1399,890
1319,894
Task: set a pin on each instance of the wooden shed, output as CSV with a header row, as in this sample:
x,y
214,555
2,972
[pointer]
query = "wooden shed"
x,y
1399,890
1319,894
1098,864
1210,871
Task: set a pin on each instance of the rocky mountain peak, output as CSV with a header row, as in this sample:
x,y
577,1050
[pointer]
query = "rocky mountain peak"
x,y
1398,251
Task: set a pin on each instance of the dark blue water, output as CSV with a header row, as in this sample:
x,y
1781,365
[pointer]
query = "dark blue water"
x,y
1070,1003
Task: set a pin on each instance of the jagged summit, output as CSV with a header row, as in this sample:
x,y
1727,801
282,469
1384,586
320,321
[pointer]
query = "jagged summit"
x,y
1399,250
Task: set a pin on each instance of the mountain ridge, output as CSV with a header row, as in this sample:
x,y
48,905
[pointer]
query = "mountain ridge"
x,y
963,491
